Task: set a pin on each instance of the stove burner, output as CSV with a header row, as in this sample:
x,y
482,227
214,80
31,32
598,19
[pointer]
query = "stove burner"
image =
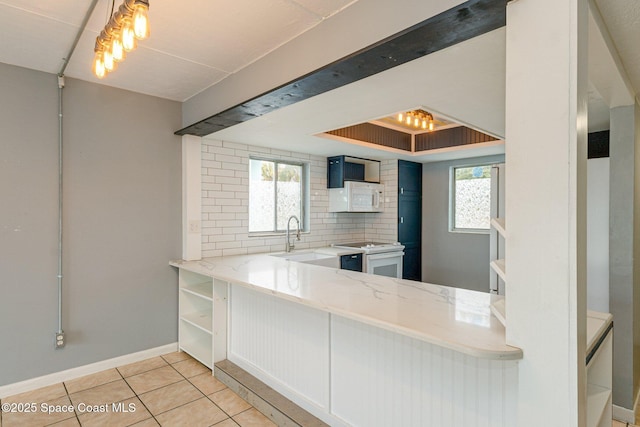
x,y
363,244
372,247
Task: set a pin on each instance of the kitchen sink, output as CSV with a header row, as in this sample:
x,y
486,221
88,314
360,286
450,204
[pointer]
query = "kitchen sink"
x,y
310,257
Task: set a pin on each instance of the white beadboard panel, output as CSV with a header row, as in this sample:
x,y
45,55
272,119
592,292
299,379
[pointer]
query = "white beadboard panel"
x,y
379,378
225,204
281,341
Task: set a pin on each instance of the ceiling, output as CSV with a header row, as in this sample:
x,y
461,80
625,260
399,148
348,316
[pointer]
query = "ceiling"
x,y
198,45
191,47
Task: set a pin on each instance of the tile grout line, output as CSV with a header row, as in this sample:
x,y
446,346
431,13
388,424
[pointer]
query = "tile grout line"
x,y
187,403
207,397
153,416
75,413
99,385
168,385
123,378
138,397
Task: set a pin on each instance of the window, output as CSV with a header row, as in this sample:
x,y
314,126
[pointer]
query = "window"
x,y
276,191
470,199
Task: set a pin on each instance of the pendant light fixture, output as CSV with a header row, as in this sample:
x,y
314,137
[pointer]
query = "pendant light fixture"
x,y
141,20
418,119
126,26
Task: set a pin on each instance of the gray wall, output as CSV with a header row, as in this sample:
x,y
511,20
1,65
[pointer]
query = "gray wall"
x,y
624,248
635,285
122,223
452,259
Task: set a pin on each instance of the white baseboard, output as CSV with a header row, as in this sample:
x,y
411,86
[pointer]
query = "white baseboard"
x,y
80,371
623,414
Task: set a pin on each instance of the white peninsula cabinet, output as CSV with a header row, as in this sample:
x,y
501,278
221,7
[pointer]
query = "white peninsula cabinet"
x,y
355,349
352,349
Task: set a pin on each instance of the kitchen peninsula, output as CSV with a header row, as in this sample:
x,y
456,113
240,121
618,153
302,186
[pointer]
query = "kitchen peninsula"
x,y
349,347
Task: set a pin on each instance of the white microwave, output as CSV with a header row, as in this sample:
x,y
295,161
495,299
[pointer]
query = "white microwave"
x,y
356,197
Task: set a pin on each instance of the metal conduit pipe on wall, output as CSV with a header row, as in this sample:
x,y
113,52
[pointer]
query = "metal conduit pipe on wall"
x,y
60,333
59,336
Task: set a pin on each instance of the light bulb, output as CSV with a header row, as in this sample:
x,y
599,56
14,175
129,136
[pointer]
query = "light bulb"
x,y
109,63
416,123
430,125
128,36
408,119
117,51
141,20
400,117
98,65
424,124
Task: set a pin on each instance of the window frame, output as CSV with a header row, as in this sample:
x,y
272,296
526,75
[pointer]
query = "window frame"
x,y
452,201
304,195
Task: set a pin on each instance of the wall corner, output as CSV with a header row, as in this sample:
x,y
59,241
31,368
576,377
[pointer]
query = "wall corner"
x,y
191,198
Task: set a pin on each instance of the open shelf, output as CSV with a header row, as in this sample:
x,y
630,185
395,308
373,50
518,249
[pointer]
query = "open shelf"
x,y
597,400
499,267
196,343
497,242
203,290
499,225
200,320
202,316
499,310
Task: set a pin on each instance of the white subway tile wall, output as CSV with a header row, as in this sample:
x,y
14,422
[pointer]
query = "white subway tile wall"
x,y
225,204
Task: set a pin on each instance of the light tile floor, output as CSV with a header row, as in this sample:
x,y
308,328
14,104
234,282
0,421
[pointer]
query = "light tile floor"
x,y
171,390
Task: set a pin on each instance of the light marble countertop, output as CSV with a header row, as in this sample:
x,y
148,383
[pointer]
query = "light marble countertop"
x,y
452,318
597,324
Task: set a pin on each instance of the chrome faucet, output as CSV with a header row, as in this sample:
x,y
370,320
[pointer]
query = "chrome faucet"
x,y
288,246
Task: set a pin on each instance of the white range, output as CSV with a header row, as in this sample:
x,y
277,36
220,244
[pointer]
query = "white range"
x,y
383,259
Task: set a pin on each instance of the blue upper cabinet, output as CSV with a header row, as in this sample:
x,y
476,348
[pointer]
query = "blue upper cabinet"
x,y
344,168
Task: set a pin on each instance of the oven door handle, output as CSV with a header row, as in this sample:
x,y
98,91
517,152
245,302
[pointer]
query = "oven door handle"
x,y
385,255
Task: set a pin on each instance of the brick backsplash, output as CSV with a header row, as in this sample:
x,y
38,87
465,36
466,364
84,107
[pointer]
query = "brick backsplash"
x,y
225,204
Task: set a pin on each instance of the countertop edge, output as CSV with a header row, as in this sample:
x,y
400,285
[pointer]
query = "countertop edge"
x,y
508,353
605,320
